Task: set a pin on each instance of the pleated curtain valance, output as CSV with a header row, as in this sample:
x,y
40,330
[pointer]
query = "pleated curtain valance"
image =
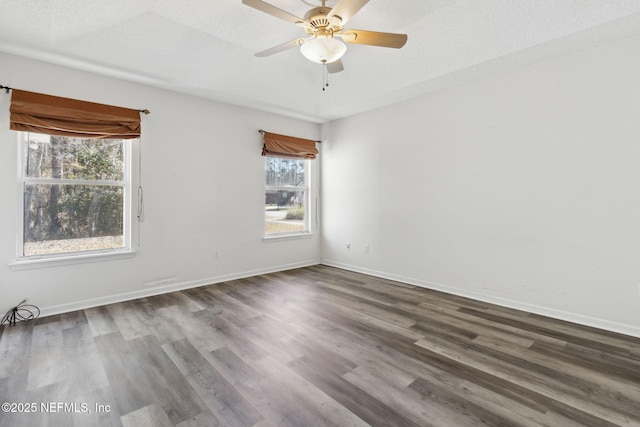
x,y
52,115
288,147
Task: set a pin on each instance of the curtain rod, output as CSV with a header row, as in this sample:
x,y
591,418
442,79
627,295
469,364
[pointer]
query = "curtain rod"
x,y
7,89
262,132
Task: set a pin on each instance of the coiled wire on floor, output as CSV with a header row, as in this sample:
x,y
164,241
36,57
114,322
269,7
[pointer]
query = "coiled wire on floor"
x,y
22,312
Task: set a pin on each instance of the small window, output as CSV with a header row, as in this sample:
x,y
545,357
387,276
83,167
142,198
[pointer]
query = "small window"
x,y
75,194
286,208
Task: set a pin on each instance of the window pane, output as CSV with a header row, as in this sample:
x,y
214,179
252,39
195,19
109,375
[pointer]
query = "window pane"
x,y
60,157
72,218
284,211
284,172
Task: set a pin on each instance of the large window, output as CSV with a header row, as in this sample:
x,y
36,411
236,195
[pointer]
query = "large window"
x,y
75,194
286,208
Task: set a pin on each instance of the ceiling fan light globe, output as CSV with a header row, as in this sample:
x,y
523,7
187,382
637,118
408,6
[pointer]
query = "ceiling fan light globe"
x,y
323,50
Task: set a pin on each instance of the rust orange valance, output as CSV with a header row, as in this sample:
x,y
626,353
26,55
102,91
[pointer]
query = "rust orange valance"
x,y
288,147
52,115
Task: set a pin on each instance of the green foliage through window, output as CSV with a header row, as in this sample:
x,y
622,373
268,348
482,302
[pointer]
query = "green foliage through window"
x,y
73,193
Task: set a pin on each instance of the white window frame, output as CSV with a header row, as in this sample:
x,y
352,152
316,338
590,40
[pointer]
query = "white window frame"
x,y
45,260
310,203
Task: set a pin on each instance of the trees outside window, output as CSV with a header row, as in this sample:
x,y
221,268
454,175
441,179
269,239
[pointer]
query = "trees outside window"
x,y
75,193
286,196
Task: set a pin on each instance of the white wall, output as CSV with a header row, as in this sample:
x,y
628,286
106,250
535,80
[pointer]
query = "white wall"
x,y
522,189
204,188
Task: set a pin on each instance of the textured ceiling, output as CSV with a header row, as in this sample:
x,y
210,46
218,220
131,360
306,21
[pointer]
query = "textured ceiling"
x,y
206,47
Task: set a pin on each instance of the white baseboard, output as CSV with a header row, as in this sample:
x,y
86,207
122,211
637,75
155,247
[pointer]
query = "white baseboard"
x,y
622,328
157,290
581,319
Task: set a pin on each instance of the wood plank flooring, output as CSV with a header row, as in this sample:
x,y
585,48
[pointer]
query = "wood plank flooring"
x,y
316,346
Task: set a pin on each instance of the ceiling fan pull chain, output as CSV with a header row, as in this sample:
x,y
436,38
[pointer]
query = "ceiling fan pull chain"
x,y
325,75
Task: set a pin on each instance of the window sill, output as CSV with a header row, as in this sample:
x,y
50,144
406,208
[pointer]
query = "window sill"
x,y
290,236
56,261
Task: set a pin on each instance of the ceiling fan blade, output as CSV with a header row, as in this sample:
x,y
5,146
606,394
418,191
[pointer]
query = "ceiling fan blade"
x,y
335,66
345,9
374,38
280,48
274,11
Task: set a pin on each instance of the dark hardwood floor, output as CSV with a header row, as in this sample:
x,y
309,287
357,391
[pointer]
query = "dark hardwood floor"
x,y
313,347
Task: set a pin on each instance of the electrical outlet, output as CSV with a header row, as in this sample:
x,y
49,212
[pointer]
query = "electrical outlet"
x,y
348,246
366,249
216,255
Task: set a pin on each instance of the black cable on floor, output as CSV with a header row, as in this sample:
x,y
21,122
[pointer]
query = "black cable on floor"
x,y
21,313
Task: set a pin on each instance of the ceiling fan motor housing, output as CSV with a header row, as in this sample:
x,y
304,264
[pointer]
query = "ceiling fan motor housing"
x,y
320,22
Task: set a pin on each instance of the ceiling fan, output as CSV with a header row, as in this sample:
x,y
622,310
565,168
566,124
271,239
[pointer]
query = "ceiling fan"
x,y
324,26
